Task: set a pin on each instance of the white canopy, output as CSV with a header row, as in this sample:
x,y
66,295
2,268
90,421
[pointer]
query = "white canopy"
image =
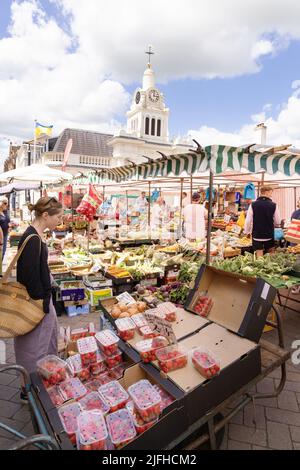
x,y
41,173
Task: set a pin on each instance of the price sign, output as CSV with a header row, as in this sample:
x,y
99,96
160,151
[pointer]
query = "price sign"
x,y
125,299
161,326
236,229
227,218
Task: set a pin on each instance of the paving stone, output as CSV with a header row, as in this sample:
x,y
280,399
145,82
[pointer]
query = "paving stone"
x,y
283,416
6,443
295,433
236,445
270,402
247,434
298,397
260,448
288,401
279,436
238,418
296,446
258,416
8,409
16,384
224,444
291,386
16,425
23,414
28,429
266,386
6,393
5,378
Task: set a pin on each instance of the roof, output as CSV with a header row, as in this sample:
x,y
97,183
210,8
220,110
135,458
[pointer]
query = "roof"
x,y
89,143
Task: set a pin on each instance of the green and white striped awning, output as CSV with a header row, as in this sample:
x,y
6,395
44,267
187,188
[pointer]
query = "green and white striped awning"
x,y
218,158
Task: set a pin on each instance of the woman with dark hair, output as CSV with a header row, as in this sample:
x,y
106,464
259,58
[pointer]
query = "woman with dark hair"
x,y
33,272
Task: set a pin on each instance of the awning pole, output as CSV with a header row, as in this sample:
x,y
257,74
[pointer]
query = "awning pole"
x,y
209,225
181,211
72,215
149,207
191,188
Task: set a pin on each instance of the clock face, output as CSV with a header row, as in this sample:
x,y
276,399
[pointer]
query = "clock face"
x,y
153,96
137,97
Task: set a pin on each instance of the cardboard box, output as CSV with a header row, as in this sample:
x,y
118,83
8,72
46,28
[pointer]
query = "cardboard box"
x,y
241,304
74,310
95,296
72,290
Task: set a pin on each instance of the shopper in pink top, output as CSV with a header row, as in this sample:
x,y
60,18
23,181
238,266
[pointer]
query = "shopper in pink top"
x,y
195,216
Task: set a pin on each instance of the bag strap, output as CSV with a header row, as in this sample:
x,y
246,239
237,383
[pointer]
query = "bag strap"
x,y
16,258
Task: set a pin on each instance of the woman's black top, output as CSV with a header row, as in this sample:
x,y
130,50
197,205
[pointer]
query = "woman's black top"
x,y
33,270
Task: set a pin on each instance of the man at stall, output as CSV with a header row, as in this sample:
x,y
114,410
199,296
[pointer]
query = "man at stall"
x,y
296,213
141,202
262,218
185,200
195,216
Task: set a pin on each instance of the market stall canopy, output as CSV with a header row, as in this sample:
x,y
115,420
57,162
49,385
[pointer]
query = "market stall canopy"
x,y
41,173
10,188
218,158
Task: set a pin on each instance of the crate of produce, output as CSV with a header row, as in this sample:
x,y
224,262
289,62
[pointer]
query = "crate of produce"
x,y
92,431
93,401
114,395
68,415
73,389
76,368
147,347
87,348
121,428
97,295
126,328
171,358
146,400
53,370
205,362
108,342
72,290
114,360
140,425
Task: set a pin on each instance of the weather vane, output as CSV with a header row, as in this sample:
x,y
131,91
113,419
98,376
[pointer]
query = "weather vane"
x,y
149,53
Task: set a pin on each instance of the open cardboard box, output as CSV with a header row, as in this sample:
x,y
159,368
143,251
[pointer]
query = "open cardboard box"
x,y
173,420
240,304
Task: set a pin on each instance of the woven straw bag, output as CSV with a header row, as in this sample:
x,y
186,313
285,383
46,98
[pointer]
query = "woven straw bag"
x,y
19,314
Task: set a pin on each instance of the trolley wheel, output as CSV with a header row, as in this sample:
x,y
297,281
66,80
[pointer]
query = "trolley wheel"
x,y
204,430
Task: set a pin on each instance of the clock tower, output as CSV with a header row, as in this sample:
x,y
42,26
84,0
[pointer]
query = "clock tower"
x,y
148,116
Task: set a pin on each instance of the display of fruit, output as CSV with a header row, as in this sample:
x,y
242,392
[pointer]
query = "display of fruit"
x,y
168,310
147,348
92,432
87,348
205,363
121,310
83,332
166,398
115,360
73,389
117,272
94,384
99,366
147,332
75,366
108,342
56,396
53,369
68,415
118,371
139,320
294,249
140,425
126,328
203,305
121,428
114,395
146,400
93,401
171,358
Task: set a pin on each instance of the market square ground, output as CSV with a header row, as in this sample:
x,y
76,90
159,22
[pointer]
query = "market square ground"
x,y
275,424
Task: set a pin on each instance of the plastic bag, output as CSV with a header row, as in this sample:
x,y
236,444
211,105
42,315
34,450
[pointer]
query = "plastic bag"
x,y
90,203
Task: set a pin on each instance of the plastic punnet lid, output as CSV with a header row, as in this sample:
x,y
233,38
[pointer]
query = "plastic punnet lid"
x,y
56,395
150,344
68,415
144,394
75,364
91,427
164,354
87,345
93,401
94,384
107,338
120,427
73,388
113,393
50,365
139,320
125,324
204,358
146,330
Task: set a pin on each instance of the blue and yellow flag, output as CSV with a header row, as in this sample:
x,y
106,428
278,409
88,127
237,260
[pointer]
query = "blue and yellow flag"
x,y
41,129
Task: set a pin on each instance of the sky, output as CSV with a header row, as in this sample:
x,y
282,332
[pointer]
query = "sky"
x,y
223,66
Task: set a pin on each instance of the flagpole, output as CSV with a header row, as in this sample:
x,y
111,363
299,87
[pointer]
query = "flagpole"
x,y
34,142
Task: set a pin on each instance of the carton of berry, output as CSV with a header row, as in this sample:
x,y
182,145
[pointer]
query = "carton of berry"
x,y
171,358
99,366
92,431
94,384
121,428
80,333
56,396
147,348
146,400
140,425
87,348
139,320
205,362
147,332
168,310
166,398
68,415
115,360
126,328
203,305
114,395
75,366
93,401
73,389
108,342
53,370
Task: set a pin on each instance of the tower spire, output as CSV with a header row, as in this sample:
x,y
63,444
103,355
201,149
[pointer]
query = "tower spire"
x,y
149,53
